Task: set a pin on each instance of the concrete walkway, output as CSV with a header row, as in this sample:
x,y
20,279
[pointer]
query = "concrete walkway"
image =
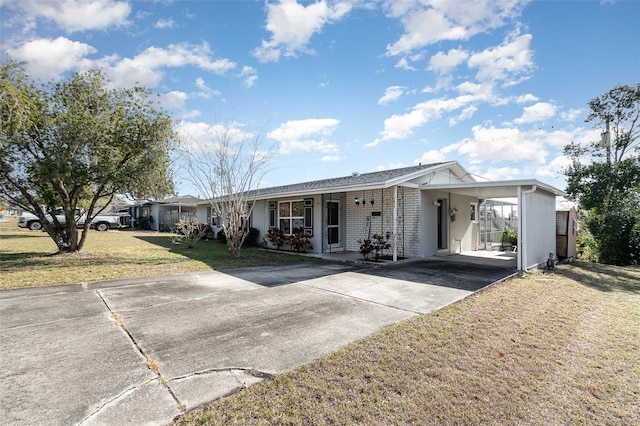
x,y
143,351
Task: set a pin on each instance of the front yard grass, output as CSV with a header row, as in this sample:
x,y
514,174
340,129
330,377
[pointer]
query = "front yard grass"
x,y
29,258
553,348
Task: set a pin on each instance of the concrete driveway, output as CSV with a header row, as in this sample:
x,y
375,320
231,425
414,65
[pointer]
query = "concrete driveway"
x,y
143,351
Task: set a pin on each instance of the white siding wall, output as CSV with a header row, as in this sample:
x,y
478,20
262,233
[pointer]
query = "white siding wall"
x,y
539,220
261,219
463,233
155,214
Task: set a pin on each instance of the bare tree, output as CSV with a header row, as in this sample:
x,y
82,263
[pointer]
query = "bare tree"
x,y
227,170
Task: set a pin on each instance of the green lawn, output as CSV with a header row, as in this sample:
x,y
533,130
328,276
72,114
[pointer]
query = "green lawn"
x,y
30,258
556,348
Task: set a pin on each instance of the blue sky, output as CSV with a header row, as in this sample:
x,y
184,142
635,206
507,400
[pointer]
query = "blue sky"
x,y
343,86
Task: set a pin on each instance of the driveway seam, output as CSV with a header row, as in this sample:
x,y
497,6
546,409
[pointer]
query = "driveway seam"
x,y
151,363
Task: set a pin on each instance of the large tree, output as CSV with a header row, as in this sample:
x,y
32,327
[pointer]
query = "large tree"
x,y
604,176
77,143
227,169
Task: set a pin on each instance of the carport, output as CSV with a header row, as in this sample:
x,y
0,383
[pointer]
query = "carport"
x,y
536,207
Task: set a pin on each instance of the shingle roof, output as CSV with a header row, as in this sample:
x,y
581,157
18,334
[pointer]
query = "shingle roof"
x,y
180,199
354,180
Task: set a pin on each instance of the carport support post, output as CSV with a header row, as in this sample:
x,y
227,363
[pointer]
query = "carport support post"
x,y
395,223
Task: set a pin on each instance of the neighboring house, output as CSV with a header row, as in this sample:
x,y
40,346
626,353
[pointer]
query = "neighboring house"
x,y
164,214
426,209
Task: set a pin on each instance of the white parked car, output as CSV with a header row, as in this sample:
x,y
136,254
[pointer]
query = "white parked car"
x,y
99,223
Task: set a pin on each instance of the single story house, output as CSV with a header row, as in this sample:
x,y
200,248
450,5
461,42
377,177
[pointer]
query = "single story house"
x,y
428,209
162,215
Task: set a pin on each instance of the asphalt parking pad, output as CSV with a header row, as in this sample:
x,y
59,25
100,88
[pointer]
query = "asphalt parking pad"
x,y
444,273
270,330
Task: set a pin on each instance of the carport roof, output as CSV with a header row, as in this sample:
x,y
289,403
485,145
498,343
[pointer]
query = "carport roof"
x,y
494,189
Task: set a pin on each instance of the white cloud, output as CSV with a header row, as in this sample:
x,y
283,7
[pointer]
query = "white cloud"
x,y
147,67
330,158
444,63
202,137
391,94
431,21
555,167
466,114
536,112
292,25
491,144
400,126
526,98
250,75
431,156
571,115
404,64
174,99
79,15
501,173
163,24
505,62
302,135
46,59
205,91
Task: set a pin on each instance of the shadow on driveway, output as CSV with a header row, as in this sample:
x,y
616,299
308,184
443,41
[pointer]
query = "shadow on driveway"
x,y
452,273
449,273
283,274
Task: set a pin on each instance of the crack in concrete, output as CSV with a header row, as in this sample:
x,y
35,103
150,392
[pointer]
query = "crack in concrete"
x,y
251,371
151,363
115,399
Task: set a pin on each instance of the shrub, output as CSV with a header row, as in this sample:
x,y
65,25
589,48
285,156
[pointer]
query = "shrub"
x,y
300,241
587,248
510,236
376,245
252,237
190,232
366,247
250,241
616,234
275,237
143,222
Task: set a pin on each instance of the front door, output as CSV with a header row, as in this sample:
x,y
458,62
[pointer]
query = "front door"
x,y
333,225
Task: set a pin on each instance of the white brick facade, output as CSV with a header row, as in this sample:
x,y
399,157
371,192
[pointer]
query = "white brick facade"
x,y
408,218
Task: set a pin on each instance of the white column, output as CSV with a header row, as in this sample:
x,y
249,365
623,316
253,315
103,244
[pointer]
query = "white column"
x,y
395,223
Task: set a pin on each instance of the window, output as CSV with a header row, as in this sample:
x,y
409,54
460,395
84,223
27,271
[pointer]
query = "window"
x,y
291,215
248,214
473,212
272,214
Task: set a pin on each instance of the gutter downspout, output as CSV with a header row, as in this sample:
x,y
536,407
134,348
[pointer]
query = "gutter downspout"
x,y
395,223
522,242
